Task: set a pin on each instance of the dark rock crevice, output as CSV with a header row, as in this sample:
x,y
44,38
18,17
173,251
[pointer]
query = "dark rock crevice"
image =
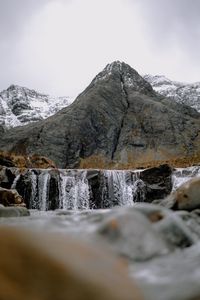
x,y
127,105
40,133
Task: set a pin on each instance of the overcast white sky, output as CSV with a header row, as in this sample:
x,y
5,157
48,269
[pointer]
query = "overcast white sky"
x,y
58,46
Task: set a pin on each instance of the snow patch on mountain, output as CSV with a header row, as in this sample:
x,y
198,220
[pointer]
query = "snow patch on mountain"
x,y
185,93
129,77
20,106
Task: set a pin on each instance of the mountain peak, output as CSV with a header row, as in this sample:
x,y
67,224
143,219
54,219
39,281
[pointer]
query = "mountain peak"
x,y
114,66
181,92
156,80
119,66
13,87
20,105
124,73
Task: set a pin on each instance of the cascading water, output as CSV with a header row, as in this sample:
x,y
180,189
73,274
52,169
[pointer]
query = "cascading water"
x,y
33,180
73,190
14,184
43,190
77,189
182,175
122,187
139,188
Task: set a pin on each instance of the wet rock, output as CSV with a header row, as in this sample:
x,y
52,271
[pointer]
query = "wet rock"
x,y
158,182
132,235
152,212
7,162
10,197
196,212
186,197
8,212
169,225
94,179
192,220
7,176
44,266
172,277
175,231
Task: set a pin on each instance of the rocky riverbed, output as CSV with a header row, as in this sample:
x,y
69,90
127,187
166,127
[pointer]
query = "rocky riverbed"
x,y
160,248
140,251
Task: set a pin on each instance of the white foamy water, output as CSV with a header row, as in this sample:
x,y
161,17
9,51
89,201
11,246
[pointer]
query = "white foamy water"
x,y
77,190
14,184
33,201
182,175
122,187
43,190
73,190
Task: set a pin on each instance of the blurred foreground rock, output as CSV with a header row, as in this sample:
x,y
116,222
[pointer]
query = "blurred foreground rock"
x,y
144,231
48,267
131,235
186,197
169,225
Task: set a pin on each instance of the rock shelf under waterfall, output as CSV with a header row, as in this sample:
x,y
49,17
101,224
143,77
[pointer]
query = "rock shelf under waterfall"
x,y
74,189
52,189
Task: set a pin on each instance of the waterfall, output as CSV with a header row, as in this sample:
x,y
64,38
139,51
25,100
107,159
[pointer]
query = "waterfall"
x,y
43,190
122,188
139,188
33,180
14,184
90,189
182,175
73,190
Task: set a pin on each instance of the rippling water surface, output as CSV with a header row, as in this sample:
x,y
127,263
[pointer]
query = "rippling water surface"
x,y
174,276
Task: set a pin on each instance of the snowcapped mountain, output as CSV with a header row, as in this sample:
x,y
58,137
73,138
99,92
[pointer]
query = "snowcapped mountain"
x,y
185,93
118,119
130,77
20,106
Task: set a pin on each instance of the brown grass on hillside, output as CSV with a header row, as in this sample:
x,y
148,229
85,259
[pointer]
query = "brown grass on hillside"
x,y
99,162
25,161
96,162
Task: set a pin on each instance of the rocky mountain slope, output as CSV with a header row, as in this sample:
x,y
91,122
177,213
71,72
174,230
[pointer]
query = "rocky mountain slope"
x,y
118,118
185,93
20,106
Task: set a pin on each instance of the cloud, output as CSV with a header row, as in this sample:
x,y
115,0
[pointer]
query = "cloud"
x,y
58,46
173,21
15,13
65,44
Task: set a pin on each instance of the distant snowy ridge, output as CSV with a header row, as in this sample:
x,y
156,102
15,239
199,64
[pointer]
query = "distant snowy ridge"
x,y
185,93
20,106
